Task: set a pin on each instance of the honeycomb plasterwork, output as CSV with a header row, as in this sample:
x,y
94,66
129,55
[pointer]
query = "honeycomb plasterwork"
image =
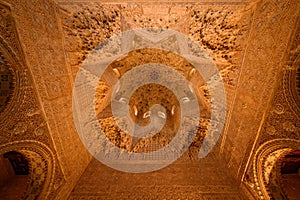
x,y
42,37
225,30
143,98
86,25
221,30
231,25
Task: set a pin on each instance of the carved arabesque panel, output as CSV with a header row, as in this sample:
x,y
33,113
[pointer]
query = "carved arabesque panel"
x,y
22,122
281,125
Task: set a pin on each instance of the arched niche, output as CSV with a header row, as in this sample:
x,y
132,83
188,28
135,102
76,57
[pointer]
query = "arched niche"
x,y
14,175
267,167
41,166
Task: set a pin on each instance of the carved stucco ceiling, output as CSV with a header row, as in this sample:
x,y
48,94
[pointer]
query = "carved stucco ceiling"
x,y
220,29
145,97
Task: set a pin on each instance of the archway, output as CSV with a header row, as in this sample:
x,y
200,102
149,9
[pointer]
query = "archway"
x,y
270,165
290,174
40,172
14,175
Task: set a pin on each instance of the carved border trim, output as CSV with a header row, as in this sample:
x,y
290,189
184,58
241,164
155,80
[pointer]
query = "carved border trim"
x,y
276,149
